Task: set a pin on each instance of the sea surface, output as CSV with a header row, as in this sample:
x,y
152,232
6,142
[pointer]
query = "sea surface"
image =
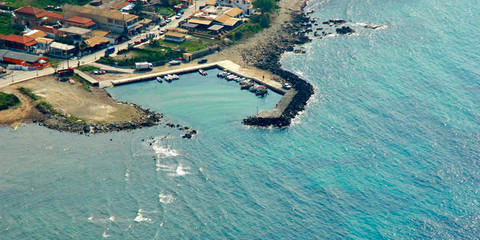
x,y
389,147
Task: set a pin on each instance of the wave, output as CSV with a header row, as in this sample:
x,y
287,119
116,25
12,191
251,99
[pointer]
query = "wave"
x,y
166,198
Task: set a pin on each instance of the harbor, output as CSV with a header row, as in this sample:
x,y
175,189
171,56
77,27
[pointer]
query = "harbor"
x,y
227,67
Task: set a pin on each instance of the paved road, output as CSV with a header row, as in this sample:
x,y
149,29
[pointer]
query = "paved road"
x,y
20,76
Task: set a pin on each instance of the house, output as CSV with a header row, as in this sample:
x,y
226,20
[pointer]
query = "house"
x,y
96,42
75,33
34,34
43,44
109,20
31,17
20,43
23,59
49,30
81,22
175,37
28,16
227,21
61,50
245,5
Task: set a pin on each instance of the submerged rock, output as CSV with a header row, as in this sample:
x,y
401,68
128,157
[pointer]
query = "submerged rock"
x,y
344,30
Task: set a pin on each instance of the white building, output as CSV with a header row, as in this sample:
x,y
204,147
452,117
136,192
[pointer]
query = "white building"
x,y
245,5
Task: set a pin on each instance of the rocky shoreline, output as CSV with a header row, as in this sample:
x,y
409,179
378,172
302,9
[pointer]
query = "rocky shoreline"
x,y
292,34
148,118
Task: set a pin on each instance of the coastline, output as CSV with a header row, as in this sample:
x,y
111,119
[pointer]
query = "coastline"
x,y
260,53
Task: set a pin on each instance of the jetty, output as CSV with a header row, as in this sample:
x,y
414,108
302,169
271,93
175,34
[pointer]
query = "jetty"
x,y
226,65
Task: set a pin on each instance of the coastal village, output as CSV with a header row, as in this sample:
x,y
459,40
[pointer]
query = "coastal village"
x,y
98,44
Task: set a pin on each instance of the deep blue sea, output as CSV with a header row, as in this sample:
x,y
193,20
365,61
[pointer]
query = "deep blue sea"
x,y
389,147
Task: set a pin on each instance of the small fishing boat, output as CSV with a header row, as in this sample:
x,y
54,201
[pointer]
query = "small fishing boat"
x,y
159,79
168,78
261,90
253,88
202,72
175,77
246,85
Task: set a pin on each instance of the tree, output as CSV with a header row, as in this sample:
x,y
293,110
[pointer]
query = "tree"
x,y
265,5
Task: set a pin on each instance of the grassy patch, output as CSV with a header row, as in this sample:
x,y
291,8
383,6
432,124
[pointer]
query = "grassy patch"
x,y
250,28
28,92
153,55
87,68
5,28
8,100
85,84
166,11
189,45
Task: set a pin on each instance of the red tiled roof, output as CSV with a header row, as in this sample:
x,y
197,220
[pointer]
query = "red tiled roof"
x,y
21,40
47,29
121,5
3,37
35,12
55,15
80,21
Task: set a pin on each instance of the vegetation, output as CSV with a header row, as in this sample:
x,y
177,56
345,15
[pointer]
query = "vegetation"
x,y
5,28
165,11
154,55
87,68
265,5
42,3
8,100
189,45
85,84
248,29
170,3
28,92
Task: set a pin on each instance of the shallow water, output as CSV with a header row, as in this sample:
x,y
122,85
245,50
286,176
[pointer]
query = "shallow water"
x,y
388,147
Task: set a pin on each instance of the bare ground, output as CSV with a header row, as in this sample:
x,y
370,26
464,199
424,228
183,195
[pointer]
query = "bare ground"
x,y
69,99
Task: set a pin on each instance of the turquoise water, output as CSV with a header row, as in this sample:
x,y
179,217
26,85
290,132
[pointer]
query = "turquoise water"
x,y
388,148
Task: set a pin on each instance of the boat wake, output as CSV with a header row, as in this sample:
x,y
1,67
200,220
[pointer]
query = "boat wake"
x,y
166,198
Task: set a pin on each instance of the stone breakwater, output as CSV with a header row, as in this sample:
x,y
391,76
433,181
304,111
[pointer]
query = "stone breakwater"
x,y
268,57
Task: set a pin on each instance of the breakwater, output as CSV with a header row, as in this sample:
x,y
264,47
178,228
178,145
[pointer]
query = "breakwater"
x,y
291,34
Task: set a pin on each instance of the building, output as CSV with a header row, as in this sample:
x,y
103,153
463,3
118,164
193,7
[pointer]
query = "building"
x,y
109,20
175,37
23,59
81,22
19,43
76,33
28,16
31,17
35,33
96,42
227,21
43,44
245,5
49,30
61,50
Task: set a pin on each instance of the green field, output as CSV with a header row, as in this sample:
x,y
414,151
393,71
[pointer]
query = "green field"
x,y
189,45
8,100
5,20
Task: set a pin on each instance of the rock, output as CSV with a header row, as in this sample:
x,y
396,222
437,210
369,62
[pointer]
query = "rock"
x,y
344,30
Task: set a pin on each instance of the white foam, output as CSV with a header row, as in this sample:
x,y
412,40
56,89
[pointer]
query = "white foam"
x,y
180,171
166,198
127,175
105,235
90,219
141,218
111,218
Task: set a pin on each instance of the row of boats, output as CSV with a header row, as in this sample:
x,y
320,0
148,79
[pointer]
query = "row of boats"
x,y
168,78
245,83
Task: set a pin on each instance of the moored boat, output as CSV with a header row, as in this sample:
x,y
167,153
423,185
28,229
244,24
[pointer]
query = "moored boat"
x,y
202,72
261,90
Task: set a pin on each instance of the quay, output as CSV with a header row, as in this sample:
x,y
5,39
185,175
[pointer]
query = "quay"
x,y
275,86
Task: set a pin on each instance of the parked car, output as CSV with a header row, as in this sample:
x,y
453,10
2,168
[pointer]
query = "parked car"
x,y
137,42
168,20
203,60
161,32
99,72
178,16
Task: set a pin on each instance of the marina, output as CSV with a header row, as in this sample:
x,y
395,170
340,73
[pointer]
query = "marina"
x,y
230,72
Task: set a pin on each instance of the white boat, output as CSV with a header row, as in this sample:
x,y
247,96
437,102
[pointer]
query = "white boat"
x,y
261,90
159,79
175,77
202,72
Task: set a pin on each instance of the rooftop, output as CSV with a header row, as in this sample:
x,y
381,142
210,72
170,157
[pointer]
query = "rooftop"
x,y
83,21
75,30
20,56
175,34
94,41
62,46
31,11
93,11
23,40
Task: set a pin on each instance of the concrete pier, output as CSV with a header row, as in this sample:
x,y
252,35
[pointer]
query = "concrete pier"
x,y
229,66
